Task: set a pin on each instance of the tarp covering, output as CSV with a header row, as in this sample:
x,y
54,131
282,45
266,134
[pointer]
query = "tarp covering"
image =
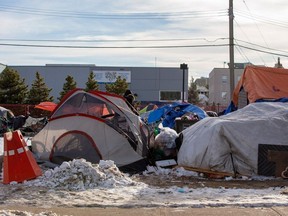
x,y
148,108
48,106
262,83
169,112
230,143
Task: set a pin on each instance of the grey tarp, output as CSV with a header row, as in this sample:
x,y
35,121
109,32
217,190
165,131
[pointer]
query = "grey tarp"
x,y
230,142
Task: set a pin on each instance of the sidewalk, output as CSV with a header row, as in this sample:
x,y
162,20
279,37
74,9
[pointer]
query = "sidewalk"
x,y
155,211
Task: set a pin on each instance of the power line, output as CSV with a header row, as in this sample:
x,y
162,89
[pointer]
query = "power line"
x,y
262,46
111,47
150,46
247,39
263,51
257,27
269,21
241,52
145,47
112,40
115,15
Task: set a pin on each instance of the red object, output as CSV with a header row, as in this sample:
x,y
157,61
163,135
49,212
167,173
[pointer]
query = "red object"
x,y
49,106
19,163
262,83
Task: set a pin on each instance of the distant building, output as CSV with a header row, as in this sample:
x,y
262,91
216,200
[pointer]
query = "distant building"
x,y
219,84
151,84
203,81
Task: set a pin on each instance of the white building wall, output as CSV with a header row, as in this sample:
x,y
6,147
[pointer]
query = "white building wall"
x,y
219,85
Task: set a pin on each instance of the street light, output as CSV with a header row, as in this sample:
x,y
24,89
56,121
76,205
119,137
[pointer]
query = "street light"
x,y
183,67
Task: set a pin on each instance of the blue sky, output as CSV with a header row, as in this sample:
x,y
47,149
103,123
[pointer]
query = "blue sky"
x,y
142,33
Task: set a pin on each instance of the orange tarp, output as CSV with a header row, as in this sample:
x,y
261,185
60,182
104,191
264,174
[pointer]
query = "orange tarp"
x,y
49,106
262,83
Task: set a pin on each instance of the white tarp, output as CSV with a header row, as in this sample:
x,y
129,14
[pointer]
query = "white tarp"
x,y
214,142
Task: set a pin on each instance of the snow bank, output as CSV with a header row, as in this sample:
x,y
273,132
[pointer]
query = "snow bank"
x,y
81,175
24,213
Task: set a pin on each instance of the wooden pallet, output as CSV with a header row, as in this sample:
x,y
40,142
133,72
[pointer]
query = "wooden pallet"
x,y
209,173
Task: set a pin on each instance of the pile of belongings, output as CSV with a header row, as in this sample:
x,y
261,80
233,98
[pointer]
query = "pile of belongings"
x,y
167,114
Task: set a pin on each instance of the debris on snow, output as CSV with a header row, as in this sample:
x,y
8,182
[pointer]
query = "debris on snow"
x,y
81,175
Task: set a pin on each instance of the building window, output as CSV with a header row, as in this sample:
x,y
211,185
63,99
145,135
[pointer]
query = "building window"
x,y
224,96
224,79
170,95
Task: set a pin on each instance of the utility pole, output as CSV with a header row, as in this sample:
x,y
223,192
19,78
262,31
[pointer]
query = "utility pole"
x,y
231,47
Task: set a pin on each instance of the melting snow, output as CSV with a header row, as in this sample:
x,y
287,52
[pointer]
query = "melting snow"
x,y
82,184
82,175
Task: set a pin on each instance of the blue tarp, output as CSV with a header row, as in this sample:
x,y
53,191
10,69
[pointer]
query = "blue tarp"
x,y
230,108
169,112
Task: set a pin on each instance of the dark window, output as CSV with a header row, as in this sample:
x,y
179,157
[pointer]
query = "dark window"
x,y
170,95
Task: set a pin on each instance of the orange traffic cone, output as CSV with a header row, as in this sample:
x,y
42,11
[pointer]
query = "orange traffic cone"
x,y
18,164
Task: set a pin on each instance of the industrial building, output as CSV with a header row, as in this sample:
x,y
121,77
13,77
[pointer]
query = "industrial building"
x,y
151,84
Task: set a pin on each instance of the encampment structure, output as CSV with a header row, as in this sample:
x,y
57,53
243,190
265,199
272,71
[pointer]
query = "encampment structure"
x,y
260,83
239,142
95,126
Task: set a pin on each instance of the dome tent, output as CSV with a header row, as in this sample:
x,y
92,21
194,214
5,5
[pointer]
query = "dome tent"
x,y
95,126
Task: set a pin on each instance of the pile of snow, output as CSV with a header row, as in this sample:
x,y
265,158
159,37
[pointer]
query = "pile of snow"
x,y
24,213
81,175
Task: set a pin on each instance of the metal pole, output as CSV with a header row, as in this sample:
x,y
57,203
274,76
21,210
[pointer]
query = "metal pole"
x,y
183,88
183,67
231,47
